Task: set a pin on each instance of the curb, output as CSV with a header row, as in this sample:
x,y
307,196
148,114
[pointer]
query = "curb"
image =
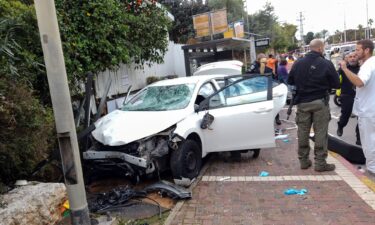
x,y
362,177
180,203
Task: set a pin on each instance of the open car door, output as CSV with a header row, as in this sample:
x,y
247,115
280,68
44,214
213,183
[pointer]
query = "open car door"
x,y
242,115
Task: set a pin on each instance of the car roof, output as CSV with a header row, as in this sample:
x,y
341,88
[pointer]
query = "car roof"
x,y
188,80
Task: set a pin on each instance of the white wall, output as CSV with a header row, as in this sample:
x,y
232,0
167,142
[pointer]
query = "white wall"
x,y
174,64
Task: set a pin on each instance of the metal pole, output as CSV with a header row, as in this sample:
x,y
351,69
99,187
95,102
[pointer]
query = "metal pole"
x,y
252,49
62,109
367,28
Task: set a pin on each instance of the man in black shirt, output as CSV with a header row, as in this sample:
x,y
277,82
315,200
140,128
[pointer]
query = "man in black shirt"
x,y
347,94
313,77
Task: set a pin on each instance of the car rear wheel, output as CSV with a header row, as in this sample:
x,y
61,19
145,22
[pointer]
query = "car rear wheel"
x,y
186,161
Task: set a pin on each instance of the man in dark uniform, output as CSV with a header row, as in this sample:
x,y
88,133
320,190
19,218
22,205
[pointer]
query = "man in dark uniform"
x,y
313,77
347,94
260,67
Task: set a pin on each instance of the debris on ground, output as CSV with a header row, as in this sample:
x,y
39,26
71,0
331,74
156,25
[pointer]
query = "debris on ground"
x,y
117,197
169,189
184,182
263,174
281,136
292,191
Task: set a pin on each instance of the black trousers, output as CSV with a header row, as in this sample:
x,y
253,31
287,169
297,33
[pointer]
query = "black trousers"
x,y
346,111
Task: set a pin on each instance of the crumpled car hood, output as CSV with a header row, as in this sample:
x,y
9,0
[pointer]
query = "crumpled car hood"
x,y
123,127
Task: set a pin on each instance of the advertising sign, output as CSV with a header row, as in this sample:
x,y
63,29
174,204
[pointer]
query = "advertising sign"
x,y
201,24
219,21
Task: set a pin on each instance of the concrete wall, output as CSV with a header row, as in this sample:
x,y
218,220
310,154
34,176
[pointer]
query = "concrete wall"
x,y
126,75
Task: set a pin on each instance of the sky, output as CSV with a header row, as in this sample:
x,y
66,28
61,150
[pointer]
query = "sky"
x,y
319,14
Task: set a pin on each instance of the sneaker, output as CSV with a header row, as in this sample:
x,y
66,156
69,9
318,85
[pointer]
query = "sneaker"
x,y
278,122
305,164
358,142
339,131
326,167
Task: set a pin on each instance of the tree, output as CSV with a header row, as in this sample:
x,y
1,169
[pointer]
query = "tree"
x,y
235,8
100,35
309,37
324,33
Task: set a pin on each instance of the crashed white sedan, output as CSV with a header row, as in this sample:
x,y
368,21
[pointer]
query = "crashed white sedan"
x,y
173,124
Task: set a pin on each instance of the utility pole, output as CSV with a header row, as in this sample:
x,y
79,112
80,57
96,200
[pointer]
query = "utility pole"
x,y
300,20
62,109
252,51
344,26
367,34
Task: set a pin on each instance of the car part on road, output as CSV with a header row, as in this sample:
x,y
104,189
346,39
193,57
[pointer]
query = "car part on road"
x,y
117,197
171,190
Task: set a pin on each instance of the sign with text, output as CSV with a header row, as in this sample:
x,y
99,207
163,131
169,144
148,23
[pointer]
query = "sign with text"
x,y
262,42
201,24
219,21
210,23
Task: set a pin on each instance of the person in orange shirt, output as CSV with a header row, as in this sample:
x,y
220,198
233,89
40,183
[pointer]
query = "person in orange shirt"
x,y
271,63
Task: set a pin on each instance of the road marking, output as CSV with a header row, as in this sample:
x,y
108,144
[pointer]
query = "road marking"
x,y
271,178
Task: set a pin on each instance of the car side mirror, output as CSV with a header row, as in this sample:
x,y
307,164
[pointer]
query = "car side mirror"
x,y
203,105
196,108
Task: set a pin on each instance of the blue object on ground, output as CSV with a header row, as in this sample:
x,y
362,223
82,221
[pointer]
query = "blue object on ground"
x,y
286,140
292,191
264,174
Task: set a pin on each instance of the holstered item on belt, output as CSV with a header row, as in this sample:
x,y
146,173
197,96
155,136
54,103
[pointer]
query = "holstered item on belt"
x,y
291,103
326,99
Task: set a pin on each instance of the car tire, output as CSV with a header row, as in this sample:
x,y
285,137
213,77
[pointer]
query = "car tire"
x,y
256,153
186,161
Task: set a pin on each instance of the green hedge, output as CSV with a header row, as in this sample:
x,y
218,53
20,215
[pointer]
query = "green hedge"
x,y
26,131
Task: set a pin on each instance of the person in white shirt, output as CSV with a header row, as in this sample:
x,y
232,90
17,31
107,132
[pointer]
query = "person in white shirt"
x,y
364,102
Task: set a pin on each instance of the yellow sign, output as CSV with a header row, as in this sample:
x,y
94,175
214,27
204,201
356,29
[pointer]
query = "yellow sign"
x,y
201,24
215,22
228,33
219,21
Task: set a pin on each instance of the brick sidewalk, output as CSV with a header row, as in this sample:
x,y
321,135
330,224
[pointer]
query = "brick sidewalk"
x,y
233,193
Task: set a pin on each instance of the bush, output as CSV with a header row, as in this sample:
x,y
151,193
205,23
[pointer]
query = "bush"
x,y
152,79
26,133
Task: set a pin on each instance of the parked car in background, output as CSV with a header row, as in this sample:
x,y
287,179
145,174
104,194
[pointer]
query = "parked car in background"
x,y
172,124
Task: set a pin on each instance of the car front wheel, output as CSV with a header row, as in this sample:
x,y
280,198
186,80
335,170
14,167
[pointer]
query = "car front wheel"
x,y
186,161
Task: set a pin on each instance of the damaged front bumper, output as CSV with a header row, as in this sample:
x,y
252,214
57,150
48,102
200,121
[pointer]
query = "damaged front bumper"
x,y
145,156
97,155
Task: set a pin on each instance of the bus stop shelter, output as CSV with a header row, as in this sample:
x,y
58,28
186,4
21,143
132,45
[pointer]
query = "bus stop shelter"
x,y
216,50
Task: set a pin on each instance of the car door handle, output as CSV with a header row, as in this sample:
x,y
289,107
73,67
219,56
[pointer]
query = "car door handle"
x,y
263,110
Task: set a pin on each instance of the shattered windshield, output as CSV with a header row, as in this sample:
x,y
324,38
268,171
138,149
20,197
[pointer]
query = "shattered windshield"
x,y
161,98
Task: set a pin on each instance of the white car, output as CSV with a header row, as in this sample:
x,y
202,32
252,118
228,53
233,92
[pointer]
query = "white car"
x,y
173,124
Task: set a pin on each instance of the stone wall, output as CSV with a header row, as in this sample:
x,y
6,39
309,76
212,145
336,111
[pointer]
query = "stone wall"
x,y
33,204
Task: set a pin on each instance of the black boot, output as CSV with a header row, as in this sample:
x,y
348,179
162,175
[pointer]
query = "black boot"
x,y
339,131
277,119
